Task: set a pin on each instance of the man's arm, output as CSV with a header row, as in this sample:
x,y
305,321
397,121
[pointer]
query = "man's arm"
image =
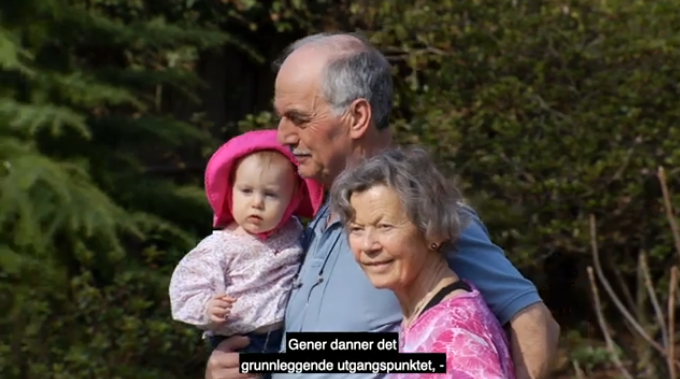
x,y
512,298
534,335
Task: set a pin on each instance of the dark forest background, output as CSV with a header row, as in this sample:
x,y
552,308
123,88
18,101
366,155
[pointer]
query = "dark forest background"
x,y
559,119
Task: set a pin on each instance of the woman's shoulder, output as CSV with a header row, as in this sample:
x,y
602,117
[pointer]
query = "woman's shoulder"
x,y
466,313
464,328
464,310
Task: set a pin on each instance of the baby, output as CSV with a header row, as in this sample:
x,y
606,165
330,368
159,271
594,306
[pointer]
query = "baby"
x,y
237,280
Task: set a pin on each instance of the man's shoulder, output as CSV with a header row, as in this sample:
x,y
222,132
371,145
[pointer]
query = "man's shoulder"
x,y
476,258
467,209
473,228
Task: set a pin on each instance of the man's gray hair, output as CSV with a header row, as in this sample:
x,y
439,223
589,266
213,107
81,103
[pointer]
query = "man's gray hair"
x,y
431,203
357,71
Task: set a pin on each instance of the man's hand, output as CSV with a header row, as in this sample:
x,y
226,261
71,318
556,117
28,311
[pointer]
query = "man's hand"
x,y
534,334
223,362
219,308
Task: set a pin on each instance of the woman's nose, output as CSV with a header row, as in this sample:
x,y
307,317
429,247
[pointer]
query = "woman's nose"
x,y
370,244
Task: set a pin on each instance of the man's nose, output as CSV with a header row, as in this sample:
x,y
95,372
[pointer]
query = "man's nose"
x,y
286,132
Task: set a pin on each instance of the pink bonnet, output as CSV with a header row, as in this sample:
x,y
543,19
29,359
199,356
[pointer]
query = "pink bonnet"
x,y
218,177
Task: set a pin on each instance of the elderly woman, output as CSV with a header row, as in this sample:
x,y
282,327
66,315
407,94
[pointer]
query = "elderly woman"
x,y
402,218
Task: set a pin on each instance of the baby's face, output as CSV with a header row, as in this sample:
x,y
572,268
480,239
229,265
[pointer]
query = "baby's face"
x,y
264,184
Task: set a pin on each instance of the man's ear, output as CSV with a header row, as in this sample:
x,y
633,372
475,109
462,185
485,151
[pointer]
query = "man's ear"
x,y
361,118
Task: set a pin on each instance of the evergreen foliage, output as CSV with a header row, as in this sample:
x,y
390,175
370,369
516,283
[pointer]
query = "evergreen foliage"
x,y
87,236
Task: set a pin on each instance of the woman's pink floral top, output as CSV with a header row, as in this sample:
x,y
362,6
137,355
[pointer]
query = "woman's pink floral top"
x,y
464,328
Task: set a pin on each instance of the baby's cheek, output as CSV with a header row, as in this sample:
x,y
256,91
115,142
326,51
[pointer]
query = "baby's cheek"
x,y
277,210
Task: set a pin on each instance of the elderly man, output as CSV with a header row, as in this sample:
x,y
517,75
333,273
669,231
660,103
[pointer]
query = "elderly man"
x,y
333,93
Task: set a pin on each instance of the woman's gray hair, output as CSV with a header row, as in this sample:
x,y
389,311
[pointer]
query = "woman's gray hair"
x,y
431,203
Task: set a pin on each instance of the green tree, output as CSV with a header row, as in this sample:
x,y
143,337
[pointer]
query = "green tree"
x,y
87,235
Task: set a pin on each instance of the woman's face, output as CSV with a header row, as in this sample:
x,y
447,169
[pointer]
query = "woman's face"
x,y
387,246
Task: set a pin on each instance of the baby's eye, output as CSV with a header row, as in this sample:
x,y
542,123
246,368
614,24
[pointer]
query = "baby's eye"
x,y
270,194
246,190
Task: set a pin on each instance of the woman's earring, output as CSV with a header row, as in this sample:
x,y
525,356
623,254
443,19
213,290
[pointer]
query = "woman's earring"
x,y
434,247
